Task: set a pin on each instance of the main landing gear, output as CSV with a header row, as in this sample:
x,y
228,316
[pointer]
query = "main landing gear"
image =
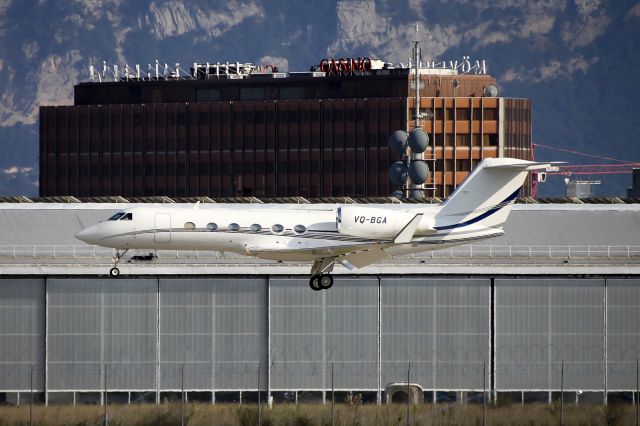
x,y
115,272
320,282
320,278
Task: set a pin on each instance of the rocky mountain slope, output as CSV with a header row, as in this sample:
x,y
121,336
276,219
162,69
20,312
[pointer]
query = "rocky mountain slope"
x,y
576,59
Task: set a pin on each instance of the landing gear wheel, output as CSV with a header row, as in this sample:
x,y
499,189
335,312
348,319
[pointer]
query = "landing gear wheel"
x,y
314,283
326,281
114,272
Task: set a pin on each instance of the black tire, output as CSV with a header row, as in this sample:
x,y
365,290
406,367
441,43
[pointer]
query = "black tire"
x,y
314,283
114,272
326,282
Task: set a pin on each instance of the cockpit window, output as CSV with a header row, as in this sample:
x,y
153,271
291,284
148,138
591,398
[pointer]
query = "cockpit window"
x,y
116,216
128,216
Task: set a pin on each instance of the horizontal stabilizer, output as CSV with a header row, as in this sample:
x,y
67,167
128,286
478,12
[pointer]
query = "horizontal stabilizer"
x,y
406,234
523,165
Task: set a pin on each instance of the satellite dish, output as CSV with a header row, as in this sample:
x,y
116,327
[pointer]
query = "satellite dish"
x,y
398,141
416,193
418,171
490,91
398,173
418,140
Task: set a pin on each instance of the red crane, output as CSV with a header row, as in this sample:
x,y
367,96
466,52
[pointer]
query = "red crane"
x,y
593,169
620,167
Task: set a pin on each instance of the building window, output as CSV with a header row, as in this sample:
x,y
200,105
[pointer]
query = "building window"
x,y
189,226
291,93
252,93
204,95
463,114
490,114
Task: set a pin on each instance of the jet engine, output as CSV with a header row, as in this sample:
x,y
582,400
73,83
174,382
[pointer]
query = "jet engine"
x,y
376,223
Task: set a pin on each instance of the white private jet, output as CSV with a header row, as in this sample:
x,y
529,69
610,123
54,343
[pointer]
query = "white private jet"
x,y
354,235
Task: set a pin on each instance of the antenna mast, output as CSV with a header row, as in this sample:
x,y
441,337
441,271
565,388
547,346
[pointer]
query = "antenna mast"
x,y
416,190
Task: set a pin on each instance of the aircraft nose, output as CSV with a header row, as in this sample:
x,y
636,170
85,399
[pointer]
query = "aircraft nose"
x,y
88,235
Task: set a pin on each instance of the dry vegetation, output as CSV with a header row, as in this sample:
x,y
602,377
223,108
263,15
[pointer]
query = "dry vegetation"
x,y
312,414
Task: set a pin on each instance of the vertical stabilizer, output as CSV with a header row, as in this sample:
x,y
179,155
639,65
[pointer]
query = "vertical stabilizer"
x,y
486,196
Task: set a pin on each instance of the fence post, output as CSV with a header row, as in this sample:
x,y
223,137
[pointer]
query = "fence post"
x,y
182,394
562,394
333,400
106,401
484,393
408,393
637,393
31,397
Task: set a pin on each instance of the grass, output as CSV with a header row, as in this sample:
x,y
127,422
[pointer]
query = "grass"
x,y
316,414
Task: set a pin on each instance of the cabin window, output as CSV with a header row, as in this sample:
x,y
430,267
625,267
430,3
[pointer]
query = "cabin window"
x,y
212,226
255,227
299,229
128,216
189,226
116,216
277,228
234,227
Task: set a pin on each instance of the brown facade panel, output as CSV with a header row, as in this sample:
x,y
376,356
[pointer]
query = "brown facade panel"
x,y
314,148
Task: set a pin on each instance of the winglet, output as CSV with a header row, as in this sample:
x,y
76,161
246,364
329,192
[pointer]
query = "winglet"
x,y
405,235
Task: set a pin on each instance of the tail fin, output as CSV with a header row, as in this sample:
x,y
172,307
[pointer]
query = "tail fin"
x,y
486,196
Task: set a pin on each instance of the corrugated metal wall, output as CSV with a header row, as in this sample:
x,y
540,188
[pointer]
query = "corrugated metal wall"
x,y
541,322
310,331
623,332
439,325
98,327
22,324
217,328
147,334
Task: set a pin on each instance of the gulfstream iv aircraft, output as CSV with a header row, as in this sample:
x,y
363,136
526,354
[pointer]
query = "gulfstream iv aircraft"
x,y
354,235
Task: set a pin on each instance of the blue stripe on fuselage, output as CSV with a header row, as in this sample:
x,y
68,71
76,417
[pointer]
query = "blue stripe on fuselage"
x,y
482,216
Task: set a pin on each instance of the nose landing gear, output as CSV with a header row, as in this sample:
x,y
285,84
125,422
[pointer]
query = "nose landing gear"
x,y
115,272
321,282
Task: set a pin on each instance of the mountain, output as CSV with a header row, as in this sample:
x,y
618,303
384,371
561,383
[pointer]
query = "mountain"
x,y
575,58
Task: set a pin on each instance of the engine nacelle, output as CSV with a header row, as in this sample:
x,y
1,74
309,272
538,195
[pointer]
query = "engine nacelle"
x,y
376,223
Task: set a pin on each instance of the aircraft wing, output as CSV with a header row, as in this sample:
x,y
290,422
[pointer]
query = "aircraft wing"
x,y
320,252
356,255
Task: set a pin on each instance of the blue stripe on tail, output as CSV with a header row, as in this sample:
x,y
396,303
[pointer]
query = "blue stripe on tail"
x,y
484,215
